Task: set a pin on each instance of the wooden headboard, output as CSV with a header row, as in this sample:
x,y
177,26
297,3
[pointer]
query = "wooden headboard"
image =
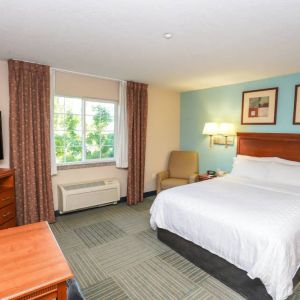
x,y
283,145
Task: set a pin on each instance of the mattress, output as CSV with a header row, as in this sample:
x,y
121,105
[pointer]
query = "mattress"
x,y
252,224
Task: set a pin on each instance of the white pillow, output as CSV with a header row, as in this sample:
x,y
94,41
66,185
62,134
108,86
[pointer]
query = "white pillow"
x,y
270,159
287,162
253,169
285,174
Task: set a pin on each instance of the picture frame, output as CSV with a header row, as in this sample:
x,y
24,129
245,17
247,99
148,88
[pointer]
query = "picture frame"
x,y
296,118
259,107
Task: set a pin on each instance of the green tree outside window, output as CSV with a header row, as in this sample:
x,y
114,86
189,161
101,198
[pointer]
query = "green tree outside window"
x,y
83,137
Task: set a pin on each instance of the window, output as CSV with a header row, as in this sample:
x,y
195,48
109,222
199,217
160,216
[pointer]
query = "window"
x,y
84,130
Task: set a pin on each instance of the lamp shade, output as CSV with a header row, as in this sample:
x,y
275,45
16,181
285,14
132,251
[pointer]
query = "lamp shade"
x,y
210,128
227,129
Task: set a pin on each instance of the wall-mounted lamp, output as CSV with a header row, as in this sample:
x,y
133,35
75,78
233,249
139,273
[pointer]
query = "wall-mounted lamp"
x,y
226,130
218,132
210,129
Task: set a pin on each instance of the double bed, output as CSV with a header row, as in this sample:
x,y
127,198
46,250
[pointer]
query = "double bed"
x,y
243,228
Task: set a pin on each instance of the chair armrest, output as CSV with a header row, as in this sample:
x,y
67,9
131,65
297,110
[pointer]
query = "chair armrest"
x,y
193,178
163,175
159,177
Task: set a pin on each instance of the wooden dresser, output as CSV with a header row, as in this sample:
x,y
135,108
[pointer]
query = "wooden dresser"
x,y
7,199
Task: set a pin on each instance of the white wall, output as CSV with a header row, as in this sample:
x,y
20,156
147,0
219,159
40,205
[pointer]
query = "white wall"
x,y
4,108
163,132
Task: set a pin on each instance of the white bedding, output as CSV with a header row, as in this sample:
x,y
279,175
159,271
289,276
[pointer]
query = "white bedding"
x,y
254,225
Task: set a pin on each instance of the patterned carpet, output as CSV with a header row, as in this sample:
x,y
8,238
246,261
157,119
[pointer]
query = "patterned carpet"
x,y
114,254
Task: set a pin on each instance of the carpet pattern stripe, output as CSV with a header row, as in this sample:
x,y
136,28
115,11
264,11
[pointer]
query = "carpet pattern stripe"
x,y
153,280
86,268
106,289
122,254
184,266
99,233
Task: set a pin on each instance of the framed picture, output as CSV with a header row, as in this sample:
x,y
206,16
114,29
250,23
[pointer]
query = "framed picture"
x,y
297,105
260,107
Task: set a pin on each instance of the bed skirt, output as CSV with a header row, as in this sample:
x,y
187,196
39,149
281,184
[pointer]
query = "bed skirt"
x,y
218,267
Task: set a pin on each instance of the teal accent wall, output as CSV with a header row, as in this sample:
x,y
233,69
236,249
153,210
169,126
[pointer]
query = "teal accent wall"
x,y
224,104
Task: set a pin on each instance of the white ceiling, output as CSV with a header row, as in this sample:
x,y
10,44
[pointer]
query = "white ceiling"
x,y
216,42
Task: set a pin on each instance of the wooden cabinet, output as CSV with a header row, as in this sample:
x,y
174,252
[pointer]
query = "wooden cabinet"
x,y
7,199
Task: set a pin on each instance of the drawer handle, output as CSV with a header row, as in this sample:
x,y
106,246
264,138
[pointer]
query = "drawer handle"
x,y
6,198
6,214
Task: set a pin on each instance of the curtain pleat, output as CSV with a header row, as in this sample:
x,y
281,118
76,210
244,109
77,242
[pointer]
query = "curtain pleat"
x,y
122,129
29,89
137,110
52,139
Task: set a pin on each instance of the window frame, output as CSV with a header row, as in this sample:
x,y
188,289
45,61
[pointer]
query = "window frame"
x,y
84,161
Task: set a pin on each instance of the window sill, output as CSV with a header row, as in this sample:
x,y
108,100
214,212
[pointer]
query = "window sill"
x,y
86,165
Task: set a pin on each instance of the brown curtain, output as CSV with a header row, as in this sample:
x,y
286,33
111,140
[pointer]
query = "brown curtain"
x,y
29,90
137,108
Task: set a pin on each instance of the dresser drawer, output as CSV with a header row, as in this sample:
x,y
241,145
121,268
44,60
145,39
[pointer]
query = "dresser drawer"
x,y
6,213
6,197
8,224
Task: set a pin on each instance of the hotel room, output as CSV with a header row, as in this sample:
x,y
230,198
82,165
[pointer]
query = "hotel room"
x,y
149,150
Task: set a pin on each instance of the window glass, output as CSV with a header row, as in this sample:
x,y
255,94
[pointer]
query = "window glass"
x,y
84,130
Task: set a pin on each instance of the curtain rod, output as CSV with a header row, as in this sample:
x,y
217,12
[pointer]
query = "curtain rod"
x,y
87,74
74,72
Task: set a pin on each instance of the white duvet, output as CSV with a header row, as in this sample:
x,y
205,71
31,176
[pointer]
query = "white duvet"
x,y
254,225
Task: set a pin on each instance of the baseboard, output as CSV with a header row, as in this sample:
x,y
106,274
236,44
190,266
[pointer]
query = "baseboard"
x,y
149,194
57,213
146,194
122,199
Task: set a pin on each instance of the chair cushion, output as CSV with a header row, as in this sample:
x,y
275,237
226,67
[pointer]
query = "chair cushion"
x,y
183,164
172,182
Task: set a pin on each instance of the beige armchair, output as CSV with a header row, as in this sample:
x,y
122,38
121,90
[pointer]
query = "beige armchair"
x,y
183,169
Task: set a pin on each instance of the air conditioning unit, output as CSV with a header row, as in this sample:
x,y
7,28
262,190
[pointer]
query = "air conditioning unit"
x,y
81,195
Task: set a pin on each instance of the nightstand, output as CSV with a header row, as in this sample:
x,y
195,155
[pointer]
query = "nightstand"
x,y
202,177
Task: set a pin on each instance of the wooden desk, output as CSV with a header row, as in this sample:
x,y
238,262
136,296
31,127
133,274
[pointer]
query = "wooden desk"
x,y
32,265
